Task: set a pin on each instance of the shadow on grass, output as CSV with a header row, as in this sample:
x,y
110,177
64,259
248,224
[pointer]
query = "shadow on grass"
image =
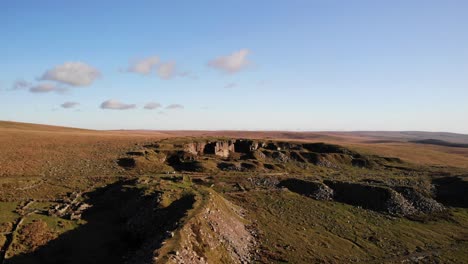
x,y
123,225
452,191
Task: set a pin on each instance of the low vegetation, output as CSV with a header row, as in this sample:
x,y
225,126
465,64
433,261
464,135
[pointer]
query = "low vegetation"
x,y
212,199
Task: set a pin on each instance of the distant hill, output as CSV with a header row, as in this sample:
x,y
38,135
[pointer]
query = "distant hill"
x,y
440,143
411,136
9,125
435,138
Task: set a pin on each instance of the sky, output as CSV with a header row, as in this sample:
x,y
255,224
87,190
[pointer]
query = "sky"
x,y
295,65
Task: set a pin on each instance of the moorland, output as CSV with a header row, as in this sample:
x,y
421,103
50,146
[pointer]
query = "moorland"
x,y
85,196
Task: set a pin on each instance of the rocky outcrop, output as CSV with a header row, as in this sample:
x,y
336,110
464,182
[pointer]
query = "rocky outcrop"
x,y
325,148
245,146
216,234
280,157
211,155
196,148
219,148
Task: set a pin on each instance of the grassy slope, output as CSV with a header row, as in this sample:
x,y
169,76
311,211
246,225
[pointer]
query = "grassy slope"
x,y
302,230
37,150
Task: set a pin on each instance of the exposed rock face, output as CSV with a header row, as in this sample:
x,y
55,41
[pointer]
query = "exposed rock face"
x,y
288,146
219,148
245,146
272,146
257,155
196,148
280,157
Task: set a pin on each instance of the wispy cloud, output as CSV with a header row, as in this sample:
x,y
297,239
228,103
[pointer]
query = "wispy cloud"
x,y
174,106
46,88
116,105
68,105
144,66
231,63
152,105
166,70
72,73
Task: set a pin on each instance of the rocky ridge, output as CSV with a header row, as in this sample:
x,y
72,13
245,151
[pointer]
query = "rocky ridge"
x,y
244,155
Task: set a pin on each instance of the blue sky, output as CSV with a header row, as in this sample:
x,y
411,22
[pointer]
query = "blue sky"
x,y
257,65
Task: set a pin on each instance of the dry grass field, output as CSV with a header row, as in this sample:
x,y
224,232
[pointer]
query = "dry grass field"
x,y
62,187
31,150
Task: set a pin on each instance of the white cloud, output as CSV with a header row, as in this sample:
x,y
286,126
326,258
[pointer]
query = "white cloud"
x,y
166,70
175,106
46,88
116,105
152,105
69,104
21,84
231,63
230,85
144,66
72,73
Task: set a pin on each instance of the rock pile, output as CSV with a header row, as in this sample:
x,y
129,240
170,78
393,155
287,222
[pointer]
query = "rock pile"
x,y
394,200
316,190
71,207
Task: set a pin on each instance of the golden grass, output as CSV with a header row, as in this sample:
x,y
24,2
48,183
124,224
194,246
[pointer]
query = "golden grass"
x,y
41,150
